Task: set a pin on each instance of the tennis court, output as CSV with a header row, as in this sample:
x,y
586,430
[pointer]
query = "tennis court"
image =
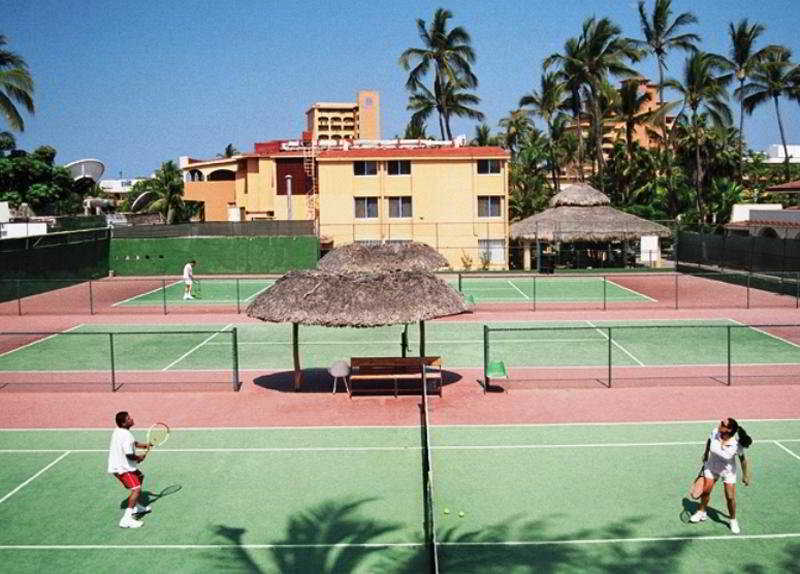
x,y
546,289
208,291
352,499
461,345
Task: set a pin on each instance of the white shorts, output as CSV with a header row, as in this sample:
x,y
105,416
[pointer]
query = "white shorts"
x,y
727,476
187,282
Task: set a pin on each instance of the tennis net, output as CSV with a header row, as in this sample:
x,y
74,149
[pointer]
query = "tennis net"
x,y
427,481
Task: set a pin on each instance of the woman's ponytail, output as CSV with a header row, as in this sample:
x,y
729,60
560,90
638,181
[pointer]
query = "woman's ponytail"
x,y
744,438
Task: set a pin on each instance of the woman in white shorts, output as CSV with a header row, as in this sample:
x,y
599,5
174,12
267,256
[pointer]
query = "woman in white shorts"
x,y
726,442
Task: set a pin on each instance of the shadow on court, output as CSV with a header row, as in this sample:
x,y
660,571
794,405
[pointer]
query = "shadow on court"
x,y
334,537
691,506
148,497
320,381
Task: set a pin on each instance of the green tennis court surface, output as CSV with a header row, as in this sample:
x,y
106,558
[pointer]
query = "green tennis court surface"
x,y
546,289
267,346
216,291
552,498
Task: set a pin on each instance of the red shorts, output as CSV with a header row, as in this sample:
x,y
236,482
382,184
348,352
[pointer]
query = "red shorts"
x,y
132,479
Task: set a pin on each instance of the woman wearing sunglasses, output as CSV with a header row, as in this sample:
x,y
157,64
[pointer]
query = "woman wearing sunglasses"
x,y
726,442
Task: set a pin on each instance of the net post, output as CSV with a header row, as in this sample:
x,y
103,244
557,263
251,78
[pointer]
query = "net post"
x,y
534,292
676,290
605,291
111,354
609,357
91,299
404,341
164,295
728,329
238,298
235,353
460,287
485,358
19,297
749,275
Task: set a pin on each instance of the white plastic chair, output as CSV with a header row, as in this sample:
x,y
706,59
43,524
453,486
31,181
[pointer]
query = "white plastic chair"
x,y
339,370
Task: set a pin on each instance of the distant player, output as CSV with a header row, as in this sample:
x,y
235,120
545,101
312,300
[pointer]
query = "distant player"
x,y
122,463
188,279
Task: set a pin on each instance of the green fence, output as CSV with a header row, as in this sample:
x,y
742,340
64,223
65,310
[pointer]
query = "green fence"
x,y
214,255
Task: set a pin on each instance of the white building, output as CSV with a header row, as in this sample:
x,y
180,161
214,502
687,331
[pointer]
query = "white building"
x,y
775,153
119,187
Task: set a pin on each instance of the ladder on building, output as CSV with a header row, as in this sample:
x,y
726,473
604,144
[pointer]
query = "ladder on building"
x,y
312,199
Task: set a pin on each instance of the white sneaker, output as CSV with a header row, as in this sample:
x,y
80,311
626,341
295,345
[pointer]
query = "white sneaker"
x,y
698,516
735,526
129,522
185,297
141,509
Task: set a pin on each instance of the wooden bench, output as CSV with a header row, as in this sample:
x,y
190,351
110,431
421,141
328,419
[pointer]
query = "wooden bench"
x,y
367,372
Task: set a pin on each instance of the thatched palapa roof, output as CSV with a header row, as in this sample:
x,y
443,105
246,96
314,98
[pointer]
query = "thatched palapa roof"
x,y
356,299
581,213
409,256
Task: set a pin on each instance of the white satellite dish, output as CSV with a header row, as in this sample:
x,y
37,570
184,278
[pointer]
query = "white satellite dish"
x,y
86,168
142,200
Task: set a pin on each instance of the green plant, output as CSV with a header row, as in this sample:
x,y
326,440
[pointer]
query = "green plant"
x,y
486,260
466,260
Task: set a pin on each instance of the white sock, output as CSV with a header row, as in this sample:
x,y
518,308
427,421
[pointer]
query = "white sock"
x,y
128,513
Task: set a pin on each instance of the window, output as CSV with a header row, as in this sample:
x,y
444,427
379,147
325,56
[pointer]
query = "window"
x,y
366,207
365,167
399,167
495,249
400,206
490,206
488,166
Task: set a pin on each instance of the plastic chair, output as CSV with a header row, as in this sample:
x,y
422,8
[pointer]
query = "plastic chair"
x,y
497,370
339,370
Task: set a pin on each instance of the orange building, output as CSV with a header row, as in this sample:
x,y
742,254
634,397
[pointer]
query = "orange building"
x,y
345,120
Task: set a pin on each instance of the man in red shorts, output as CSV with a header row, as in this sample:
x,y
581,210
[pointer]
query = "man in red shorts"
x,y
122,463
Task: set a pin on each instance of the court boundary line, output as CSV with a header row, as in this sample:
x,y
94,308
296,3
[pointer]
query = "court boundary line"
x,y
164,286
613,342
26,345
757,330
193,349
637,293
786,449
510,282
13,492
574,541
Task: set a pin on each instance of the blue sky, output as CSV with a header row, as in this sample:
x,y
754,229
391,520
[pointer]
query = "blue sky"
x,y
137,83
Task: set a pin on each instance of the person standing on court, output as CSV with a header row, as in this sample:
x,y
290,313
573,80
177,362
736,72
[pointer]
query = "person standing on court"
x,y
719,461
188,279
123,464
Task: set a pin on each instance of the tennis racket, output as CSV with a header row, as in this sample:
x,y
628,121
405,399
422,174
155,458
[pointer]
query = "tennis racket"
x,y
697,485
157,434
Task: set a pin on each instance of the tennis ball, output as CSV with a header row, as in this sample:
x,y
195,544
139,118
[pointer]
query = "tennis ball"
x,y
447,511
461,514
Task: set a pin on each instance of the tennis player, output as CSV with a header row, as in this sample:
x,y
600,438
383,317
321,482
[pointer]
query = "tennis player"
x,y
123,464
188,279
719,461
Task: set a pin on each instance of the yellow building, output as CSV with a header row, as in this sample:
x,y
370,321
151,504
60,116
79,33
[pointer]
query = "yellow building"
x,y
345,120
453,198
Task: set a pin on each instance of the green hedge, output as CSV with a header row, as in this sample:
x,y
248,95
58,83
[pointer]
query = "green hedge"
x,y
214,255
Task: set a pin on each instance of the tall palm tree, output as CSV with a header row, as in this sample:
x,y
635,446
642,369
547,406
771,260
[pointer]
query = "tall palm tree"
x,y
167,184
454,100
16,87
484,136
547,103
516,125
450,55
742,61
702,90
775,76
661,36
230,151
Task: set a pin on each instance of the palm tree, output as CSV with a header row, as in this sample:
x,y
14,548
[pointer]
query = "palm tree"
x,y
546,103
456,101
450,55
16,85
774,77
484,137
703,93
516,126
416,129
167,185
661,36
742,63
230,151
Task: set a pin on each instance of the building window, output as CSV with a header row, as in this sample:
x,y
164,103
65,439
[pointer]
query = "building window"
x,y
400,206
490,206
486,166
494,250
365,167
398,167
366,207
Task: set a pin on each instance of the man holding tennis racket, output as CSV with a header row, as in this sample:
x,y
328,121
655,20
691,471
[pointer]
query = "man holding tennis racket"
x,y
123,464
188,279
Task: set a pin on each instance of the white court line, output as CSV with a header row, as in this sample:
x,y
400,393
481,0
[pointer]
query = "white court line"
x,y
781,339
429,342
637,293
518,289
145,293
373,427
578,541
193,349
10,494
257,293
623,349
786,449
37,341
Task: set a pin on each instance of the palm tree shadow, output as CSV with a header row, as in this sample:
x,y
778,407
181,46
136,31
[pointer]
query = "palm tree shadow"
x,y
317,380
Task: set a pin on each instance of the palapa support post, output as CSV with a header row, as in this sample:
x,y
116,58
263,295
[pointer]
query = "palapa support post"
x,y
298,374
422,338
